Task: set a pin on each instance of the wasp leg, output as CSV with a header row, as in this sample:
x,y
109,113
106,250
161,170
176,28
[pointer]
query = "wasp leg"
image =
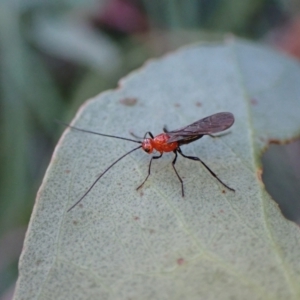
x,y
149,170
210,171
173,165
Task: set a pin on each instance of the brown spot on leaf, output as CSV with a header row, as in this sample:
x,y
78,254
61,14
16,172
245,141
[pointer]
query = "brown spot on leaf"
x,y
253,101
198,103
128,101
177,105
180,261
259,174
277,142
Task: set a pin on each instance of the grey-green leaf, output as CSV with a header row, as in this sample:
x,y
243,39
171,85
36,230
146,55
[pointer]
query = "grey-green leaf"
x,y
120,243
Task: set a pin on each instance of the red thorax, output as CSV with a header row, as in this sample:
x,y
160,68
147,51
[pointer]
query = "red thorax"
x,y
159,143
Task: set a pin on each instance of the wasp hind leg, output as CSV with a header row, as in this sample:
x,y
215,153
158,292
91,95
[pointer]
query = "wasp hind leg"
x,y
210,171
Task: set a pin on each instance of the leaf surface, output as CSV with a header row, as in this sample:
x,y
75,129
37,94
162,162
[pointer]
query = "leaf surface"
x,y
119,243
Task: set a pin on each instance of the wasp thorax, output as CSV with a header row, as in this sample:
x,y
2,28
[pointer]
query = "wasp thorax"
x,y
147,145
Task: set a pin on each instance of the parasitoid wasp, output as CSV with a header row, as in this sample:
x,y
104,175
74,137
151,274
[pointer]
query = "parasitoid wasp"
x,y
171,141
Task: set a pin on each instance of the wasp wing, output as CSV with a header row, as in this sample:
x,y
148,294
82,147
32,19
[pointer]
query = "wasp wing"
x,y
212,124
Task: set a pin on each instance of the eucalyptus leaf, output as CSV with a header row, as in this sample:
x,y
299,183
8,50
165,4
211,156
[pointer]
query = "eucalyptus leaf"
x,y
119,243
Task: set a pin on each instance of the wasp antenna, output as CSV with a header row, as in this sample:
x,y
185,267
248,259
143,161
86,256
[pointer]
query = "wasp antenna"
x,y
90,188
97,133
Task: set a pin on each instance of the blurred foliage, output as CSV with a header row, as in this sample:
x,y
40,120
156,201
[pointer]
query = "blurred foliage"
x,y
56,54
281,177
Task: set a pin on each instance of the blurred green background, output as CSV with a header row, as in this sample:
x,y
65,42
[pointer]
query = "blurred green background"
x,y
56,54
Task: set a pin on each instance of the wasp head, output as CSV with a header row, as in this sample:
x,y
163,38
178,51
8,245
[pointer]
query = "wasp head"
x,y
147,145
